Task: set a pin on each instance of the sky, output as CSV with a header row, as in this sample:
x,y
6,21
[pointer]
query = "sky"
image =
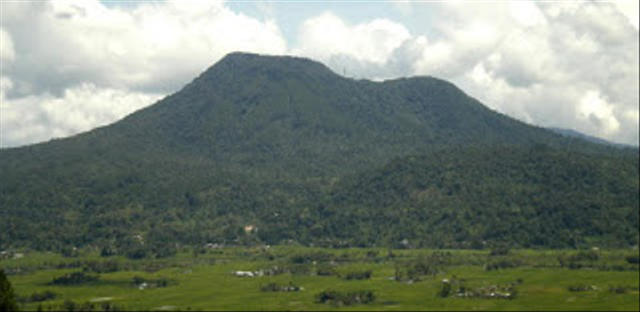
x,y
70,66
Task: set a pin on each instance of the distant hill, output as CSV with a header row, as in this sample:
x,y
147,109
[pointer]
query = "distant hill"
x,y
592,139
269,141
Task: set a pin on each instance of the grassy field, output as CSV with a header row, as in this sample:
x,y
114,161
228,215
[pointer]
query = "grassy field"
x,y
398,280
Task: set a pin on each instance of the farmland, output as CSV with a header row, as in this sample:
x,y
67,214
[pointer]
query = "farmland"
x,y
301,278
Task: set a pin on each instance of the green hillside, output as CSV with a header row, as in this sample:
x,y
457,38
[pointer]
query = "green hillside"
x,y
482,197
287,145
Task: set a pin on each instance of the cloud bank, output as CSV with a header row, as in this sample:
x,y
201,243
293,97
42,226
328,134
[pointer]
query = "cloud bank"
x,y
70,66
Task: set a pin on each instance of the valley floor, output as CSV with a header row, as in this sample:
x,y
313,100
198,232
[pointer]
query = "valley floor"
x,y
300,278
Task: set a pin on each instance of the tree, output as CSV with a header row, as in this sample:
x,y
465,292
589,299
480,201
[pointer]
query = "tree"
x,y
445,290
7,295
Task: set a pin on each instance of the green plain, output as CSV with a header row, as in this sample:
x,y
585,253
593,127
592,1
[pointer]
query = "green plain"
x,y
204,281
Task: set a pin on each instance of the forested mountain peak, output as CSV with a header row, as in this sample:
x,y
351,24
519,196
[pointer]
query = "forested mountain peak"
x,y
256,137
241,67
288,112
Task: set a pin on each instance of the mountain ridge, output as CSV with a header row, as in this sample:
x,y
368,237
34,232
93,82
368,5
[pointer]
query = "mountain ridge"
x,y
593,139
257,136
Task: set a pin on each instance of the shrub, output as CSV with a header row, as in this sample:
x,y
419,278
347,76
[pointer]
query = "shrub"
x,y
137,280
357,275
580,288
351,298
154,283
502,264
163,250
100,266
619,289
274,287
575,265
75,278
311,257
501,250
69,305
445,290
299,269
328,296
39,297
108,251
583,255
635,259
136,253
162,282
69,252
423,267
7,294
271,287
325,270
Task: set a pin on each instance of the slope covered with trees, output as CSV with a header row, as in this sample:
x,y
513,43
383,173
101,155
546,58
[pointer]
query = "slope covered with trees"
x,y
523,196
288,146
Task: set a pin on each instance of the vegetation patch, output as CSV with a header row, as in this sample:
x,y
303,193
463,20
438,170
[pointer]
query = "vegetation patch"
x,y
143,283
101,266
622,289
38,297
275,287
345,298
506,263
325,270
75,278
357,275
423,266
70,305
635,259
312,257
456,287
582,288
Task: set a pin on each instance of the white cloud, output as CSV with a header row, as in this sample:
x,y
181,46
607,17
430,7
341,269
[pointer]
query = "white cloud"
x,y
33,119
630,9
327,35
7,53
594,109
526,13
5,85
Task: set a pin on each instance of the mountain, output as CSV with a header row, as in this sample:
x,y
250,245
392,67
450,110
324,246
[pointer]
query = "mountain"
x,y
575,134
271,141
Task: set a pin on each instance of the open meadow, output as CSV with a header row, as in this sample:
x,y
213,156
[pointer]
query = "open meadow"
x,y
299,278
